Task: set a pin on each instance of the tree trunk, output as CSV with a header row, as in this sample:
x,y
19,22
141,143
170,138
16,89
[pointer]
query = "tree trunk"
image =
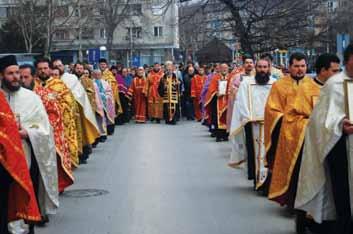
x,y
240,28
110,39
48,38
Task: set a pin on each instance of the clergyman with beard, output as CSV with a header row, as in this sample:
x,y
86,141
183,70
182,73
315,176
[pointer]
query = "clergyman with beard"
x,y
247,126
38,143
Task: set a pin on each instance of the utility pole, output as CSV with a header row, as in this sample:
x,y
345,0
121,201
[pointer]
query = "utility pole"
x,y
131,46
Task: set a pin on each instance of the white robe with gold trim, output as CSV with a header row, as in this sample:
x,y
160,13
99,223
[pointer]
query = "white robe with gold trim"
x,y
314,192
34,119
81,97
249,106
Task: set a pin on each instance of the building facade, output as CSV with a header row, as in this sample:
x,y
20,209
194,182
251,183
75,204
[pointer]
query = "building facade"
x,y
148,31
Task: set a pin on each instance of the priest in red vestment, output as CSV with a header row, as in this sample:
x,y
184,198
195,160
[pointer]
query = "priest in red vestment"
x,y
17,198
196,89
137,92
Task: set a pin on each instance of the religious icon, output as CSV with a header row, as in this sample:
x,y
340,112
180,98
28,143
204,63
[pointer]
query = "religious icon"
x,y
222,87
348,88
257,95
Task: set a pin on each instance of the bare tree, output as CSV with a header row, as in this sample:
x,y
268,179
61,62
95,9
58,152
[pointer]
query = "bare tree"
x,y
342,21
58,16
265,25
30,21
114,13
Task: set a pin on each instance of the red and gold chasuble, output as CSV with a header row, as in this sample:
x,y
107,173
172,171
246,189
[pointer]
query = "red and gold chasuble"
x,y
197,83
52,107
138,93
222,101
22,202
155,102
69,110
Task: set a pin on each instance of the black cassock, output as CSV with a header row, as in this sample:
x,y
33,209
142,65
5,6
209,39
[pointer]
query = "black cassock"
x,y
337,162
169,90
5,182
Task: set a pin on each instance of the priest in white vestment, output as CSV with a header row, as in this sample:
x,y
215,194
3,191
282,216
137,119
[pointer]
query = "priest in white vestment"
x,y
247,129
326,173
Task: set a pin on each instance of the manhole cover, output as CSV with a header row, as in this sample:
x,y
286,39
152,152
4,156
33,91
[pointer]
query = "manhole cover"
x,y
85,193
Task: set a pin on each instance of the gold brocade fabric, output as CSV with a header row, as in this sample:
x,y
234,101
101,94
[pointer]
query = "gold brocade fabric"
x,y
79,128
88,85
282,94
298,108
54,112
89,131
109,77
171,95
66,102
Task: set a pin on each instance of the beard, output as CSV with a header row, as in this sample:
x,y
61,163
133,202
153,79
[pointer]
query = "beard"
x,y
78,74
156,70
262,78
298,77
30,86
43,77
7,85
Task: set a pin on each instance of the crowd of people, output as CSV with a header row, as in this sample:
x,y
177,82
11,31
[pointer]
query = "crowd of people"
x,y
288,131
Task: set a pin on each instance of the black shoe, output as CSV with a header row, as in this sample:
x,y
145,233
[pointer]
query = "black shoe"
x,y
95,143
300,222
102,139
158,121
110,129
43,222
82,160
213,134
87,150
218,139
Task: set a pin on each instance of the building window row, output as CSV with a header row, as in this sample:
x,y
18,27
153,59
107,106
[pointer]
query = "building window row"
x,y
158,31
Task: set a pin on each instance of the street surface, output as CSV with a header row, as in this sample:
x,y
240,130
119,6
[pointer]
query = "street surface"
x,y
165,180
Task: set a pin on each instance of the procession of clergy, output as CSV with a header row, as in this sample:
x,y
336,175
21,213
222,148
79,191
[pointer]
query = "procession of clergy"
x,y
51,119
289,132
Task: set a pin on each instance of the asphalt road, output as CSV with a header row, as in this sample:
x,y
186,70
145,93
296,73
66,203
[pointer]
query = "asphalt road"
x,y
163,179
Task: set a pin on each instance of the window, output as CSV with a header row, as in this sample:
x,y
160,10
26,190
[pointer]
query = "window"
x,y
157,10
3,12
158,31
102,11
135,32
102,33
330,7
87,33
134,9
77,12
61,35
